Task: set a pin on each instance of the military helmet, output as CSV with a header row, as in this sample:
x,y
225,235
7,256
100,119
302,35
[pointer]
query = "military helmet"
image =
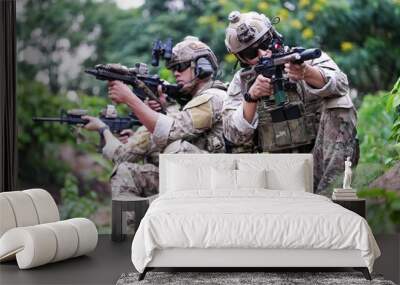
x,y
245,29
189,50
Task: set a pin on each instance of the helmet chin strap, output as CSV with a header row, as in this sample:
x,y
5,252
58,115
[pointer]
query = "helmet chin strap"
x,y
188,82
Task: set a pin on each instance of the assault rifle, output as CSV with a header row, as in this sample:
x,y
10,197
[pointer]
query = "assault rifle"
x,y
272,67
74,117
143,84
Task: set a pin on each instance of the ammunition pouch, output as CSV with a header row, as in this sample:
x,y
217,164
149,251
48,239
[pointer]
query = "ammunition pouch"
x,y
214,144
286,127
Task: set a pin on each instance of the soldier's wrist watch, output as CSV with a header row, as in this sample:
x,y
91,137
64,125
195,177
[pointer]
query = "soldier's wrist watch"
x,y
248,98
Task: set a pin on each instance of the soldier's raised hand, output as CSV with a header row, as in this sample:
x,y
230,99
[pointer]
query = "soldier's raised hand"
x,y
124,135
94,123
296,71
153,104
261,87
119,92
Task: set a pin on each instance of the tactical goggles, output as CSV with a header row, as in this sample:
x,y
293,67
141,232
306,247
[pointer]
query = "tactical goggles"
x,y
182,66
252,51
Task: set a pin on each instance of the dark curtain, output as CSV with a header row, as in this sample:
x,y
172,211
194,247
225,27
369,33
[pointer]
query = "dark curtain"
x,y
8,144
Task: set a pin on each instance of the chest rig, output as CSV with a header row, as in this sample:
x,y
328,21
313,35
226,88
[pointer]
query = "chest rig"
x,y
289,126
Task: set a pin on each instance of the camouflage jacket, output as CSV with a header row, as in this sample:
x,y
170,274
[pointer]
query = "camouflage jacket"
x,y
138,146
199,123
335,94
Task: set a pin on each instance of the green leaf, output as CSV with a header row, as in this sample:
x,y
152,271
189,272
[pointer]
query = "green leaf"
x,y
396,87
395,205
372,193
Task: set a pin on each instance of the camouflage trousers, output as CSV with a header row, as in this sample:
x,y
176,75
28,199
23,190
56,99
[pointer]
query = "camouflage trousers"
x,y
142,179
336,140
135,179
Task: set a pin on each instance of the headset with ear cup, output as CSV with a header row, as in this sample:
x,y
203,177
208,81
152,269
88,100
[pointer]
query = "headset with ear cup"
x,y
203,68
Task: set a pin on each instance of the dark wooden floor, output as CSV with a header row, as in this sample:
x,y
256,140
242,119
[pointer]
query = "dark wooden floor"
x,y
103,266
110,260
389,262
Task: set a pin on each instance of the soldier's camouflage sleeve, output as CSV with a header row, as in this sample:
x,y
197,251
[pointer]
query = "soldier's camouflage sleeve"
x,y
137,146
236,128
197,117
336,85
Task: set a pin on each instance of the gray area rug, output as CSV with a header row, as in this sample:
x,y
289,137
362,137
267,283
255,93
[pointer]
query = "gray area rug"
x,y
243,278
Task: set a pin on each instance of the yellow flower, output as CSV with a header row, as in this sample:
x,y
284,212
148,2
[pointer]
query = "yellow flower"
x,y
247,3
213,20
307,33
296,24
303,3
263,6
346,46
310,16
203,20
283,14
230,58
317,7
207,20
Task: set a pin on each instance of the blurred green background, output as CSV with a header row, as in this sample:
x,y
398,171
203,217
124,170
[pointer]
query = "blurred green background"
x,y
58,39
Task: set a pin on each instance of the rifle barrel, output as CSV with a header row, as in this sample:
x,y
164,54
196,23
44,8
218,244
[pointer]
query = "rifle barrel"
x,y
45,119
91,71
288,58
138,82
69,120
310,54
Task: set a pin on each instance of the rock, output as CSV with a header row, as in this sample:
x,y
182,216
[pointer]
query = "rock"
x,y
390,180
85,168
102,217
79,162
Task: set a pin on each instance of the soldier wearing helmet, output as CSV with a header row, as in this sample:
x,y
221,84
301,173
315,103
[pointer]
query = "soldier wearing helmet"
x,y
132,151
199,57
319,89
197,128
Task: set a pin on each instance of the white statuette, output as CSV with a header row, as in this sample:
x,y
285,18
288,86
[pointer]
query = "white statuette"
x,y
347,174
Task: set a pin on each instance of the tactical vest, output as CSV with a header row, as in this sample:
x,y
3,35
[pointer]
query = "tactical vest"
x,y
290,127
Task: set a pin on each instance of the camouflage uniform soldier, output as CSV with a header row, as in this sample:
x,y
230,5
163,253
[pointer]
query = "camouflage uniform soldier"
x,y
195,129
138,157
318,89
126,158
134,153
